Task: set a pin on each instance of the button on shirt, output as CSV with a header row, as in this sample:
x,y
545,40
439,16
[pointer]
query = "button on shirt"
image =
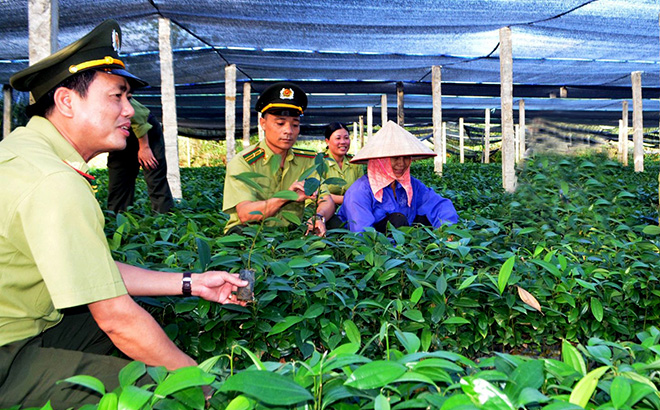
x,y
53,251
361,209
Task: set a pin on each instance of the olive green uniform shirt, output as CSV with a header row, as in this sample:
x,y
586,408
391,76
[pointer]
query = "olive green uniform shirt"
x,y
259,158
53,251
348,172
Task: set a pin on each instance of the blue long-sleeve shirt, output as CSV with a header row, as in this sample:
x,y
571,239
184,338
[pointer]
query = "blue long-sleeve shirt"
x,y
361,209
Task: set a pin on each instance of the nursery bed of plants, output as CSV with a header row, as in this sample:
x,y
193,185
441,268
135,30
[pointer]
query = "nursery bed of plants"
x,y
546,298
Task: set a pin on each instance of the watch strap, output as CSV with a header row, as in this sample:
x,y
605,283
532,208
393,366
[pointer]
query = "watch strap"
x,y
186,284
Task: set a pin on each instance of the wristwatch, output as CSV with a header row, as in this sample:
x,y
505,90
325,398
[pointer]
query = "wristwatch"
x,y
186,284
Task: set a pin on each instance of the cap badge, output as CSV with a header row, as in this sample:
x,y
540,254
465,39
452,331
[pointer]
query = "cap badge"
x,y
286,94
116,42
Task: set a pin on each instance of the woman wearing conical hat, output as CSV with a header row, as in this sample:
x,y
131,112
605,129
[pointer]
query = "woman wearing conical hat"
x,y
387,193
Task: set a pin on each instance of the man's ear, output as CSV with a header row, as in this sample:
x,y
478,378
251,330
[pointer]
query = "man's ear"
x,y
63,101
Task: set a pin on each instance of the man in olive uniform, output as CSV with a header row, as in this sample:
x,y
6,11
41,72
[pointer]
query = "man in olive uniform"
x,y
144,147
281,106
64,302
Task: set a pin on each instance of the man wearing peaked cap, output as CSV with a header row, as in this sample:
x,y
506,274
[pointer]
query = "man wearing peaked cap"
x,y
281,165
64,302
388,193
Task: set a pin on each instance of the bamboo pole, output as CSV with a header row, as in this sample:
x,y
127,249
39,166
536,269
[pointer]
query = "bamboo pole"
x,y
43,28
624,141
361,126
370,122
461,140
6,111
436,91
638,122
486,158
260,129
521,121
399,103
246,112
383,110
444,142
168,101
354,145
230,110
506,96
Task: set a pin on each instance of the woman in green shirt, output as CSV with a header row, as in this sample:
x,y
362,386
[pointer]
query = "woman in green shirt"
x,y
337,157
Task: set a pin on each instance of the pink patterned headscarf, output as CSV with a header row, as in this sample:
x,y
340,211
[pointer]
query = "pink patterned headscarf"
x,y
381,175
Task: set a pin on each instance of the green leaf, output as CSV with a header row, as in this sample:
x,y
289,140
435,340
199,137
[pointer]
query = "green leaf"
x,y
620,391
282,326
89,382
131,373
505,273
467,282
311,186
441,284
203,253
183,378
414,315
270,388
291,217
597,309
314,311
375,374
410,341
240,402
286,194
651,230
483,392
248,178
108,402
552,268
352,332
381,403
134,398
571,356
416,295
252,357
585,388
527,375
456,321
334,181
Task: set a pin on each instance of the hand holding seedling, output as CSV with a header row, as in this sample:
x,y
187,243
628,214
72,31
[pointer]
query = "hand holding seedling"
x,y
218,286
299,188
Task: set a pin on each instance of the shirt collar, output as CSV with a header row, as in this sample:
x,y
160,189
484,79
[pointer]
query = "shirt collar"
x,y
268,153
61,146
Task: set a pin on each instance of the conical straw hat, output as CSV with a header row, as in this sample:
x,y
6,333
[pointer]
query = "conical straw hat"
x,y
392,141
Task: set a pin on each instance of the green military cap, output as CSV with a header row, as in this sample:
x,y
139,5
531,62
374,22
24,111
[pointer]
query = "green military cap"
x,y
98,50
285,99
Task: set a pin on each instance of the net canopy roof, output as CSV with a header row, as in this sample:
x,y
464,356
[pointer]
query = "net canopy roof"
x,y
346,54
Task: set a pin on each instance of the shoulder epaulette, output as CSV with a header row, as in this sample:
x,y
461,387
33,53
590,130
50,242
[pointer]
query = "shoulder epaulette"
x,y
305,153
349,155
253,155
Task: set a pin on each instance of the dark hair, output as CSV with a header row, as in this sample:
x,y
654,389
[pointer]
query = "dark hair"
x,y
332,127
78,82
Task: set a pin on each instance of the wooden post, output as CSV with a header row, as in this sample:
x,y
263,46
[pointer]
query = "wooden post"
x,y
399,103
168,102
506,97
521,121
246,113
638,122
461,140
370,122
43,18
383,110
260,130
361,120
624,141
188,150
619,152
436,91
355,143
230,110
487,137
516,141
444,142
6,111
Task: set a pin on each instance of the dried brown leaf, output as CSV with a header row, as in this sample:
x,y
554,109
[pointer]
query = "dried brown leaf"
x,y
529,299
